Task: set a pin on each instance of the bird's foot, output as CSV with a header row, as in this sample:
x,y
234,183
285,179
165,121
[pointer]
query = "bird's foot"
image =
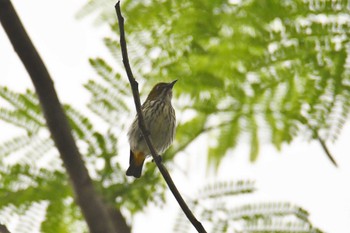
x,y
158,159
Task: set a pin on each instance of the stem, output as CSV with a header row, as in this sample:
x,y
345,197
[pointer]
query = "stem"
x,y
323,144
326,150
156,158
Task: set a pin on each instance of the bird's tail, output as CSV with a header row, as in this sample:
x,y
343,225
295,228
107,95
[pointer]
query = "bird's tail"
x,y
135,164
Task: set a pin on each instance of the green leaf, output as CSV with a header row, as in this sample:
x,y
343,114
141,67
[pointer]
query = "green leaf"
x,y
229,133
254,140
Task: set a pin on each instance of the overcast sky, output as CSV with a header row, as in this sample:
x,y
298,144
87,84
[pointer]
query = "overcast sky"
x,y
300,173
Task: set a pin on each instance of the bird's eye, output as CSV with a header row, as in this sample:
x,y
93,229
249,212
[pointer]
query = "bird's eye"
x,y
159,87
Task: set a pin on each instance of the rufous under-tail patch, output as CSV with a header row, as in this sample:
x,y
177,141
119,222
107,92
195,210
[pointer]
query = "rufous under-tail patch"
x,y
135,164
139,157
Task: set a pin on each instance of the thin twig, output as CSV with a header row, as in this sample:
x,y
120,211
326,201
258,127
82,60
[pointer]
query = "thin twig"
x,y
158,161
326,150
323,144
94,210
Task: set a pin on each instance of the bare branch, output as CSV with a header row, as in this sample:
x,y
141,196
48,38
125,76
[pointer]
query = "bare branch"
x,y
93,209
323,144
157,158
326,150
3,229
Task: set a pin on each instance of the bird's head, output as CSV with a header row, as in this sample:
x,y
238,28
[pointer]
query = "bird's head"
x,y
162,92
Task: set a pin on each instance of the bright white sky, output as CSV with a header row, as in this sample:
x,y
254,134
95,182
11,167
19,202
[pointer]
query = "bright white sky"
x,y
300,173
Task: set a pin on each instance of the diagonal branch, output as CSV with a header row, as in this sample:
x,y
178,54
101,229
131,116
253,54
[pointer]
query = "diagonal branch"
x,y
157,159
323,144
3,229
94,210
326,150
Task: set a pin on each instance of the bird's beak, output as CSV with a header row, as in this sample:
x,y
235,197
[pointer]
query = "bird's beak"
x,y
172,83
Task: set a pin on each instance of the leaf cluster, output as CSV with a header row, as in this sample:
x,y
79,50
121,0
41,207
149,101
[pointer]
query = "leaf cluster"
x,y
31,171
216,204
243,68
275,67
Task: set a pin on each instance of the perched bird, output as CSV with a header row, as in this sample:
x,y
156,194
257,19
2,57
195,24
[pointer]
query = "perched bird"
x,y
160,120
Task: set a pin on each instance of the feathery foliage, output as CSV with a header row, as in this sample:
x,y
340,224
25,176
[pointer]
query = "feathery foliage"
x,y
31,171
242,66
276,65
215,204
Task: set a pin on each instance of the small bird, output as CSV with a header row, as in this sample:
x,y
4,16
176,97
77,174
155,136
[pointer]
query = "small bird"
x,y
160,120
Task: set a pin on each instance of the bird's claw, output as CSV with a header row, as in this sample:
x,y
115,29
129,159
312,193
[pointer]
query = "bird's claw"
x,y
158,159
